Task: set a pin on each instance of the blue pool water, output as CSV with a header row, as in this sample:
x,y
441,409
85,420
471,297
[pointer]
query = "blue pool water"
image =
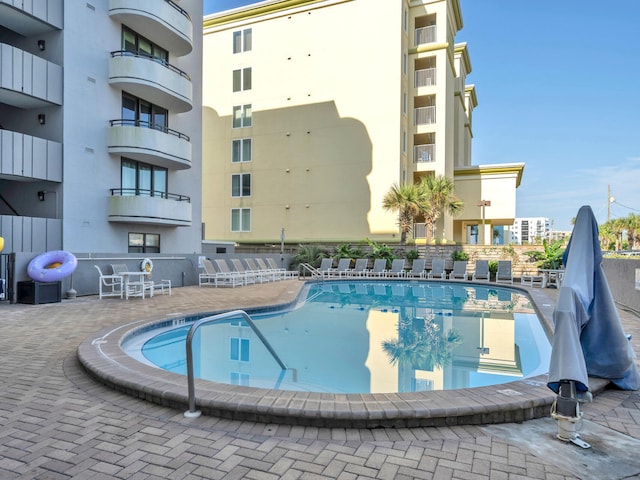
x,y
368,337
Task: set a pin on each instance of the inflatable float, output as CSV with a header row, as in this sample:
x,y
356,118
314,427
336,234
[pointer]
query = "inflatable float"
x,y
52,266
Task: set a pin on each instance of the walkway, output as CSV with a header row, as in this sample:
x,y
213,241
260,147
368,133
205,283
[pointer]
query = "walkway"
x,y
57,423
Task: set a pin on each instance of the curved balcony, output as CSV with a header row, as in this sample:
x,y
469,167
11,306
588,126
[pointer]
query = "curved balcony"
x,y
148,207
150,144
161,21
152,79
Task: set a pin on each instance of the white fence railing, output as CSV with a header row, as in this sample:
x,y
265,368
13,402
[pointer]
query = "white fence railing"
x,y
424,115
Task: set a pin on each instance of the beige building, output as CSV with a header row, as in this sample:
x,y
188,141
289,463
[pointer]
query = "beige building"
x,y
314,108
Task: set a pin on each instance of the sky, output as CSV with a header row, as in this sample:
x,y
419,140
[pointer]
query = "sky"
x,y
557,90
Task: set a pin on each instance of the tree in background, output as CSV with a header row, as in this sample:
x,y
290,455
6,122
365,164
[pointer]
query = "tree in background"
x,y
437,197
406,200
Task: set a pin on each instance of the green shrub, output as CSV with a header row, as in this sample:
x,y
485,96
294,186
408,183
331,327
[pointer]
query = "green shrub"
x,y
459,255
411,255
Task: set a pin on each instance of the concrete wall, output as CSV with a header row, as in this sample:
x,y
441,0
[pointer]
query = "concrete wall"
x,y
621,275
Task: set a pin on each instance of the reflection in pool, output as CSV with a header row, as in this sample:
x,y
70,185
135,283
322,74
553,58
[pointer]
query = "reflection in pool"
x,y
369,337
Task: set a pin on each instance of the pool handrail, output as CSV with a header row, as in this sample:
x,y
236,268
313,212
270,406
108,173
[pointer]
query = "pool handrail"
x,y
307,267
192,412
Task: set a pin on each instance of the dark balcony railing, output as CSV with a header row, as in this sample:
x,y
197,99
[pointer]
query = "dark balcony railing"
x,y
145,55
131,192
146,124
178,8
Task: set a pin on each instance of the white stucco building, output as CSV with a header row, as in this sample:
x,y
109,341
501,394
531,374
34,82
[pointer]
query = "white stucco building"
x,y
100,147
529,230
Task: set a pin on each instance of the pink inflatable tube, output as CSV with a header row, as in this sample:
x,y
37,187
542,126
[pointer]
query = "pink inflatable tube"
x,y
52,266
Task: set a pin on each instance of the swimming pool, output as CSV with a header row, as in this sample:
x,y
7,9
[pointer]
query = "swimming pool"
x,y
367,337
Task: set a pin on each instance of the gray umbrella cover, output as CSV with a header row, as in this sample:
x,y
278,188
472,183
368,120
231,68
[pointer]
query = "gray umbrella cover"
x,y
588,338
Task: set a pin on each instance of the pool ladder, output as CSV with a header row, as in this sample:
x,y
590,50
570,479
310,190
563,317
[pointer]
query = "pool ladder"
x,y
306,267
192,412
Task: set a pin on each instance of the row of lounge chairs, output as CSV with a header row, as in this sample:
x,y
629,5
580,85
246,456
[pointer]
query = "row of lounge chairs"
x,y
418,269
252,270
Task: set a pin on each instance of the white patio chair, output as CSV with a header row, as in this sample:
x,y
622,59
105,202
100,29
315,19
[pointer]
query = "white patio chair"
x,y
481,271
437,269
110,285
459,271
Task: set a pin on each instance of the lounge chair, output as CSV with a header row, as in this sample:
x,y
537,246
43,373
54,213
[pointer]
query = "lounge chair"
x,y
225,277
418,268
397,268
360,268
326,266
271,263
344,265
379,267
504,275
275,274
110,285
248,275
482,271
208,275
459,271
437,269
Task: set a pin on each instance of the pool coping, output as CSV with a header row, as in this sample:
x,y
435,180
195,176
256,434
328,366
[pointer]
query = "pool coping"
x,y
102,357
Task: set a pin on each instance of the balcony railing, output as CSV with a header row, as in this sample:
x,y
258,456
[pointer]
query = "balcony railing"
x,y
424,115
151,78
425,77
131,205
150,143
144,123
150,193
424,153
425,35
29,80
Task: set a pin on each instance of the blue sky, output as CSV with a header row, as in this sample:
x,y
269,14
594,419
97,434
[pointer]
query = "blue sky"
x,y
556,84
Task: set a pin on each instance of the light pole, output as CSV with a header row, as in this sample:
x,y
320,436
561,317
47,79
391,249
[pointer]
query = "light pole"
x,y
483,204
282,247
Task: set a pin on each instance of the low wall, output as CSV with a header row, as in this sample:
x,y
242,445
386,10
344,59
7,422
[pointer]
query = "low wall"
x,y
621,276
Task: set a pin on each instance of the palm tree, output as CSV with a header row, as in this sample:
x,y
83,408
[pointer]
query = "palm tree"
x,y
438,197
406,200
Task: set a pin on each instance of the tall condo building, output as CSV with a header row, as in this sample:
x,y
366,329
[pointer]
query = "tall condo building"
x,y
100,147
313,109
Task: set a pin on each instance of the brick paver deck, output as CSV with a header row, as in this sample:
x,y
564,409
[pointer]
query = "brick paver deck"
x,y
56,422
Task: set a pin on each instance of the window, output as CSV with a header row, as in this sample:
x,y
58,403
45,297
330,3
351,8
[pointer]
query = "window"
x,y
241,185
405,64
239,349
134,43
242,41
404,102
144,243
141,113
404,141
241,116
242,79
240,219
237,378
139,178
241,150
406,20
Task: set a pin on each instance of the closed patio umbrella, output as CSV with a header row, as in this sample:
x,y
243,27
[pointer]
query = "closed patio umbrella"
x,y
588,337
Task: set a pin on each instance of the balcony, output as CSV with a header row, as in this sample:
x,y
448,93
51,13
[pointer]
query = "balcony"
x,y
149,208
152,79
161,21
30,157
28,81
425,35
424,153
425,77
424,115
31,17
141,141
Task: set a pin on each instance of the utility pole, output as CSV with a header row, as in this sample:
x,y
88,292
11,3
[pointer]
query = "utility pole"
x,y
610,200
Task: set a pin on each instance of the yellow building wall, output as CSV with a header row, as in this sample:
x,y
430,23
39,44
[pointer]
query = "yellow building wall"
x,y
326,99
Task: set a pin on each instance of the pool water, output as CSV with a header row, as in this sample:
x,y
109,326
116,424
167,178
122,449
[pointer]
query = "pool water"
x,y
368,337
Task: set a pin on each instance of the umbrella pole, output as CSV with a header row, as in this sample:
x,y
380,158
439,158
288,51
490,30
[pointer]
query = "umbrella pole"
x,y
566,411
